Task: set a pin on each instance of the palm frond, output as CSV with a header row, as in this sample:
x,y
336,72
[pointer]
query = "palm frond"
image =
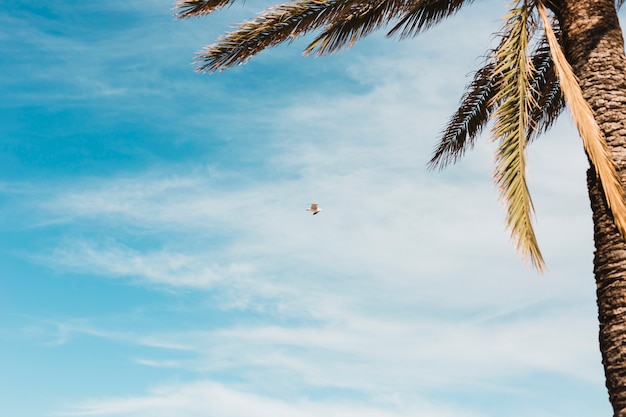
x,y
619,3
425,14
347,21
468,121
477,107
590,132
361,20
275,25
546,91
514,98
190,8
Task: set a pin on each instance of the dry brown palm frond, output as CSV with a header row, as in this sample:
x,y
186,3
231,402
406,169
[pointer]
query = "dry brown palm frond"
x,y
360,21
190,8
593,139
469,119
425,14
514,98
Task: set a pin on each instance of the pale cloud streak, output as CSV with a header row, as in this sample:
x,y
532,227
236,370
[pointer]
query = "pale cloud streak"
x,y
152,268
387,362
210,398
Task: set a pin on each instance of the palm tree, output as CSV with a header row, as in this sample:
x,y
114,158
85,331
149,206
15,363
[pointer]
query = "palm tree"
x,y
552,54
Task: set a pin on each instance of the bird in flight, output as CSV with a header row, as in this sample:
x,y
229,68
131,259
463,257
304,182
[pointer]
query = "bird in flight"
x,y
314,209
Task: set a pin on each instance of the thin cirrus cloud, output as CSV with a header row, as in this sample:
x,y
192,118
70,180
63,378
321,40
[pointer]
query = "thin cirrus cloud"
x,y
388,364
195,399
357,344
159,268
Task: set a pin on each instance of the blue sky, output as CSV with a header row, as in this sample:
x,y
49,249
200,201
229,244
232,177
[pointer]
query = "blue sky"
x,y
156,257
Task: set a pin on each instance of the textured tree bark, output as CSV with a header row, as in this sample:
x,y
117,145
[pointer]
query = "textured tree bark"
x,y
594,47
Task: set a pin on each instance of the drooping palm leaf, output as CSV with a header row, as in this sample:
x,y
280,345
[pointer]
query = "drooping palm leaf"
x,y
546,92
514,98
593,139
476,107
189,8
469,119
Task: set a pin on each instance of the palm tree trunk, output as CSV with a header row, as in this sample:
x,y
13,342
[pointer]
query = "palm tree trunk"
x,y
593,43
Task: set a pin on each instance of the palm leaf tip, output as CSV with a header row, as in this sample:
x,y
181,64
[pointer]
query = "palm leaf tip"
x,y
546,91
514,100
468,121
191,8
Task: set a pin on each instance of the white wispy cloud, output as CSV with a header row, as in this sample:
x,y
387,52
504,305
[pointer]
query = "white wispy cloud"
x,y
372,355
158,267
210,398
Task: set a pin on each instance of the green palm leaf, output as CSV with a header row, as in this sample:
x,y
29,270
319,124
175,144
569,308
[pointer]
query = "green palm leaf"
x,y
546,91
290,20
515,101
477,106
347,21
469,119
